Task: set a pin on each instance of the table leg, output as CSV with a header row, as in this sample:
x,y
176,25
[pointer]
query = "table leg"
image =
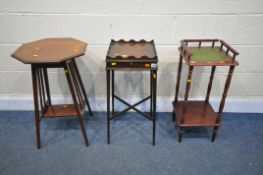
x,y
112,91
222,103
108,105
36,104
151,94
82,86
178,83
74,96
47,86
181,132
77,86
40,90
184,110
210,84
154,102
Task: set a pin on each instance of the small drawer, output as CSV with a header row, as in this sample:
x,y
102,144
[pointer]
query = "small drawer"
x,y
140,65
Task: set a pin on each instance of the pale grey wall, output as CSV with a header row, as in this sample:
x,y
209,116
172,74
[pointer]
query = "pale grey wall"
x,y
239,22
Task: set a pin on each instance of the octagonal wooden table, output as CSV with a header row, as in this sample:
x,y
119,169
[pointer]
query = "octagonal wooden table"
x,y
55,53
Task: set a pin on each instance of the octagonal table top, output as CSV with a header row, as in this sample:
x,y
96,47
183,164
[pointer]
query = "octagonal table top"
x,y
50,50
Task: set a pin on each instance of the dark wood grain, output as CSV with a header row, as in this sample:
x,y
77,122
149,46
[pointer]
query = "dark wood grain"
x,y
55,53
131,50
50,50
198,113
61,110
186,44
229,47
131,56
200,40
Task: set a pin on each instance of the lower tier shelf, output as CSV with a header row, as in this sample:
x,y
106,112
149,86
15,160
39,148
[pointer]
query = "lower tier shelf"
x,y
199,113
62,110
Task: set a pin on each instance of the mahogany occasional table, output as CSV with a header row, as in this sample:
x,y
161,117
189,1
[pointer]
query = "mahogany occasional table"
x,y
202,52
55,53
131,55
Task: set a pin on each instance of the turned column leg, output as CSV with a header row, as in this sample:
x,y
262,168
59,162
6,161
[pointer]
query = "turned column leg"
x,y
210,84
184,110
222,103
187,89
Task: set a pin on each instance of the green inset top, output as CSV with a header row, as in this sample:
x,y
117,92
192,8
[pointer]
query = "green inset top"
x,y
207,54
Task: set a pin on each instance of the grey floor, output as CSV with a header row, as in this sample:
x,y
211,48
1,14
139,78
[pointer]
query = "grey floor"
x,y
238,148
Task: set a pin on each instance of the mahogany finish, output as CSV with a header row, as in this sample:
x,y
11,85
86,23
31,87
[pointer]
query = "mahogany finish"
x,y
199,113
55,53
196,52
62,110
131,55
222,48
50,50
132,50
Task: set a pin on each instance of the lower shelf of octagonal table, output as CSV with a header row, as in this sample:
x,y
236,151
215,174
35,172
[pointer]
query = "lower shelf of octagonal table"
x,y
62,110
199,113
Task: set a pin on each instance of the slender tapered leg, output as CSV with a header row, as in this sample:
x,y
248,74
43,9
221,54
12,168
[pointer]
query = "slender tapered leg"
x,y
151,94
82,86
178,82
181,133
222,103
47,86
43,89
108,105
112,91
74,96
36,104
40,90
76,84
214,133
154,80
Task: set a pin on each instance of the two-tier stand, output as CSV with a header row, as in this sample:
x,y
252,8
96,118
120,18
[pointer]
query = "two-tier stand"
x,y
202,52
55,53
